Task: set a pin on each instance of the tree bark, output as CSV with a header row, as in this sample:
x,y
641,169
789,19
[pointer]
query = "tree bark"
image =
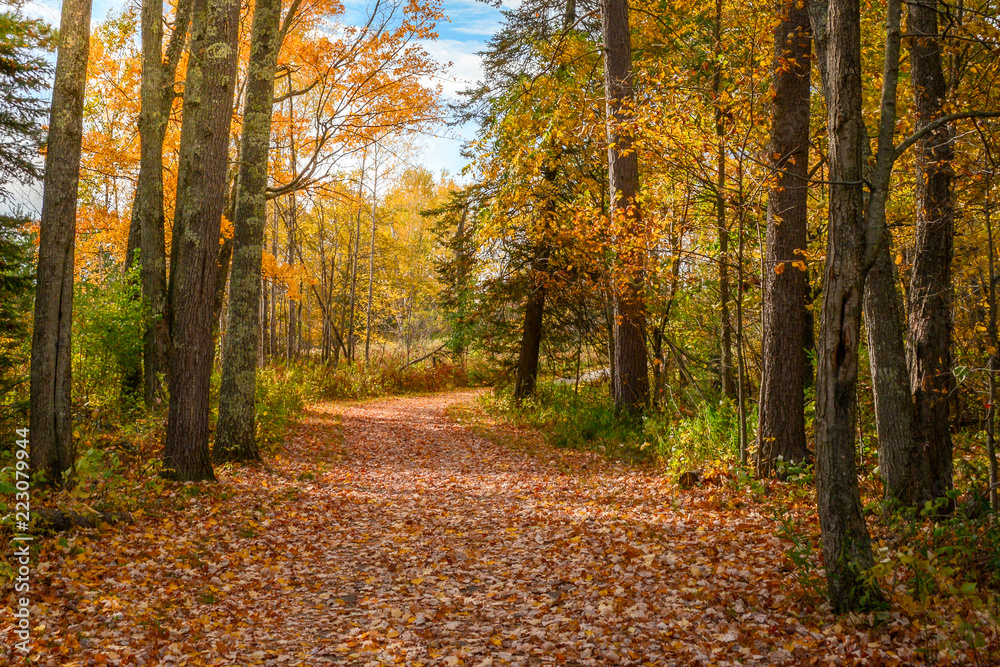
x,y
236,432
846,544
726,325
894,418
994,359
782,429
630,378
930,293
371,259
51,419
148,223
201,182
351,338
531,334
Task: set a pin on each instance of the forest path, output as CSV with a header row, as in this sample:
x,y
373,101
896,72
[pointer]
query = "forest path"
x,y
387,533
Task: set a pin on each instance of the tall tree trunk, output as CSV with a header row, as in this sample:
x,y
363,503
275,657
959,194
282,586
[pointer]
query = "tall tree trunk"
x,y
726,325
51,419
894,415
351,338
883,307
292,342
930,293
846,544
148,223
272,343
993,365
781,428
631,379
371,259
235,437
201,183
290,331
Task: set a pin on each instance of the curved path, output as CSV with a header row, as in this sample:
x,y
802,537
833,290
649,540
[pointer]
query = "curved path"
x,y
386,533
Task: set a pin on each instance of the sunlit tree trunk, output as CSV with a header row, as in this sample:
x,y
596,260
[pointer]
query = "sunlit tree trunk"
x,y
781,429
351,338
201,182
630,378
51,420
371,259
236,432
726,325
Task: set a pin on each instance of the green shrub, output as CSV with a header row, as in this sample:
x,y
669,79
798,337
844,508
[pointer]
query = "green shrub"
x,y
690,441
108,323
281,393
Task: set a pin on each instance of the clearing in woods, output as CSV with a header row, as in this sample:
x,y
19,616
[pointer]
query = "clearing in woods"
x,y
387,533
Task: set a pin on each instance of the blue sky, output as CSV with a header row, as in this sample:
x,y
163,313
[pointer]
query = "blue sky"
x,y
470,23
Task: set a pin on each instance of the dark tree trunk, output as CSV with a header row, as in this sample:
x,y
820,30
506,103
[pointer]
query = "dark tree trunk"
x,y
630,378
846,544
147,230
531,335
235,437
930,293
994,360
201,183
51,419
782,429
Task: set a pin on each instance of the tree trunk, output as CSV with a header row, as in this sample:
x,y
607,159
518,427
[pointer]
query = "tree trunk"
x,y
631,379
235,437
201,183
291,329
726,325
51,419
371,260
148,223
351,338
782,429
894,419
272,335
846,544
930,293
531,335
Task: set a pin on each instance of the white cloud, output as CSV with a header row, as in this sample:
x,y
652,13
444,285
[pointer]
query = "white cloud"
x,y
466,66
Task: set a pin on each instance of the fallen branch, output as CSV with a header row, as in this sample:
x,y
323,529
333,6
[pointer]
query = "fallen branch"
x,y
60,520
426,356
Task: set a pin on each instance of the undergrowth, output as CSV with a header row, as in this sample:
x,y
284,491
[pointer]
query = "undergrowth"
x,y
941,570
584,418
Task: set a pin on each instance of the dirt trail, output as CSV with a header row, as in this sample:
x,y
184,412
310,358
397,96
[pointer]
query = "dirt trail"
x,y
414,541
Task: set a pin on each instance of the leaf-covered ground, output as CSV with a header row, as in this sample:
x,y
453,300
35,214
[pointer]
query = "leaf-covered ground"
x,y
387,533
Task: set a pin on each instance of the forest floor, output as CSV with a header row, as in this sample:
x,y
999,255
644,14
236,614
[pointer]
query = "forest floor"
x,y
386,532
